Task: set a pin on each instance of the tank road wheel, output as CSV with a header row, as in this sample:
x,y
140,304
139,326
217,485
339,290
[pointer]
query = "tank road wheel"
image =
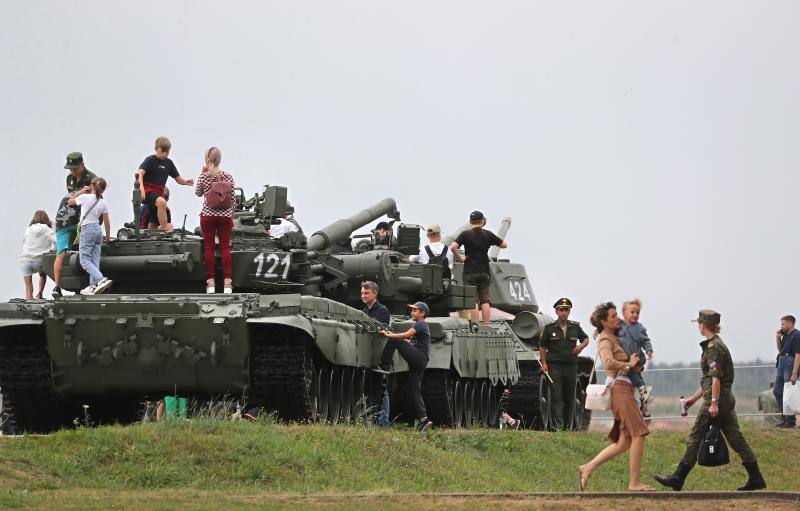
x,y
335,403
524,401
486,390
468,401
458,403
29,400
324,396
494,412
544,401
359,387
346,385
477,402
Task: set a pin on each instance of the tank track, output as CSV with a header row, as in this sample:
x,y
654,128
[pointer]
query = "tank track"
x,y
282,375
437,394
525,394
29,400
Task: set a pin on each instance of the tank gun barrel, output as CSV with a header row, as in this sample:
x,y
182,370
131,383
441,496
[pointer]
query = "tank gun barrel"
x,y
501,233
453,235
342,229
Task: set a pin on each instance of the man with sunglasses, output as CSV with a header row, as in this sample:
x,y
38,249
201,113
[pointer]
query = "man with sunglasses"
x,y
559,346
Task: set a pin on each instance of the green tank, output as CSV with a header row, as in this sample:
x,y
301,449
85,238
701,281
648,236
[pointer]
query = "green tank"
x,y
292,338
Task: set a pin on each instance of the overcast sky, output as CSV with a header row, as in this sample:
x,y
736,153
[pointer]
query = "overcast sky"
x,y
643,149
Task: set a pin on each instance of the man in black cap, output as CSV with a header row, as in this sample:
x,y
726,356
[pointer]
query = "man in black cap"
x,y
719,405
68,217
477,242
383,236
559,346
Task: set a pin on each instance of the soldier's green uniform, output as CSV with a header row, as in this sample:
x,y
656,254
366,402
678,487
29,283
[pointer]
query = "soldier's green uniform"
x,y
74,160
716,362
563,367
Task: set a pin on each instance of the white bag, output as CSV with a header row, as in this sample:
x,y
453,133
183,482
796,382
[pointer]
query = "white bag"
x,y
791,399
598,397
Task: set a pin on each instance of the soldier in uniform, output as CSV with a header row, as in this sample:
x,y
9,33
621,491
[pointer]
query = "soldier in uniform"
x,y
560,344
719,404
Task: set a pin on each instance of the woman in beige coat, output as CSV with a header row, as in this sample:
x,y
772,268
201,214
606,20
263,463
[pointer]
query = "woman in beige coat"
x,y
629,428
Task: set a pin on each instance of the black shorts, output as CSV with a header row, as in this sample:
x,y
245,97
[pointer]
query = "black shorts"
x,y
151,211
481,281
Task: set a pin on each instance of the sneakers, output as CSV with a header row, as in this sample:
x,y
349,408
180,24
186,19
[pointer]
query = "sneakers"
x,y
424,425
380,370
57,292
211,287
101,286
228,289
88,290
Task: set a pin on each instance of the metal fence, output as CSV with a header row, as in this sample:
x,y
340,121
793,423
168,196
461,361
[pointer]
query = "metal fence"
x,y
669,385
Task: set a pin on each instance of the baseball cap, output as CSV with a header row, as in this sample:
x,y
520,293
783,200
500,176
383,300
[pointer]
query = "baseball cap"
x,y
433,229
476,216
421,306
73,160
708,317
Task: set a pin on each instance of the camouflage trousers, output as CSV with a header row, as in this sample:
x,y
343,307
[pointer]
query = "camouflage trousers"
x,y
727,422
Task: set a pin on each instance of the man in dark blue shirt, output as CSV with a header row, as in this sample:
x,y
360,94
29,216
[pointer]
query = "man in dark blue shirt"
x,y
787,341
377,311
413,345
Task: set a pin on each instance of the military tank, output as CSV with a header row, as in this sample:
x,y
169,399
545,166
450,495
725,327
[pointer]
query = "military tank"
x,y
291,339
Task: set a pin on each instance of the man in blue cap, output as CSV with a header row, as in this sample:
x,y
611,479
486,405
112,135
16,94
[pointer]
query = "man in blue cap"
x,y
413,345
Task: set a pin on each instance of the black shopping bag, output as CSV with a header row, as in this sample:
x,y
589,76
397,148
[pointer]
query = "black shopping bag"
x,y
713,449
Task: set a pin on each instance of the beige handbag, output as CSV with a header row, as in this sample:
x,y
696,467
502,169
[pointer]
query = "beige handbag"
x,y
598,395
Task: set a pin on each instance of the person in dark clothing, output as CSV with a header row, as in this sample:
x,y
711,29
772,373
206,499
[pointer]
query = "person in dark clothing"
x,y
377,311
413,345
153,174
477,242
719,405
787,341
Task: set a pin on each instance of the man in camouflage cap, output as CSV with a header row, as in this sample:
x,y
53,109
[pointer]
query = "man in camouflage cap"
x,y
68,217
559,346
718,405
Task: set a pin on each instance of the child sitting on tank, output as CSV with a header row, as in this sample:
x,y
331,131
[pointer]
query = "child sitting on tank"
x,y
634,340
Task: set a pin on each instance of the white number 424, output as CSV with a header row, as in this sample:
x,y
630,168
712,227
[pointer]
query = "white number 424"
x,y
519,291
275,266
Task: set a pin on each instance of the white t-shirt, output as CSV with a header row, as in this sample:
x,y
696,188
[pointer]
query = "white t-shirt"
x,y
86,201
278,230
436,248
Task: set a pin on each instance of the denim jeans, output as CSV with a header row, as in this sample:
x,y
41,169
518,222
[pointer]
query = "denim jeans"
x,y
783,375
636,379
89,249
383,417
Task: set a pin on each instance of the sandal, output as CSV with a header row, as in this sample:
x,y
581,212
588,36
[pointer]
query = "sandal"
x,y
584,480
643,489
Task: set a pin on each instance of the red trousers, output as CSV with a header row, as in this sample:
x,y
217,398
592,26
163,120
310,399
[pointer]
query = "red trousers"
x,y
220,226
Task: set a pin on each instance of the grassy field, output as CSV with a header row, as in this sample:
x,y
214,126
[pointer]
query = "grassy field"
x,y
210,464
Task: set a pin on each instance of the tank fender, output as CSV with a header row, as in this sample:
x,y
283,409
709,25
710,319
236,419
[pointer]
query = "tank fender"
x,y
297,322
8,322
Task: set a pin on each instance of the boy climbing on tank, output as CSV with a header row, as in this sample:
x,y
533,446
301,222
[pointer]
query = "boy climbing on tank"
x,y
413,345
153,174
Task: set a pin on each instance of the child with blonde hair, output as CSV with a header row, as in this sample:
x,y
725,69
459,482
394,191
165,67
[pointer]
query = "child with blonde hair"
x,y
634,340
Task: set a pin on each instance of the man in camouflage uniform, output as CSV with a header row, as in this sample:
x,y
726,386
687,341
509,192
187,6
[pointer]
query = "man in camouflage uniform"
x,y
559,346
718,404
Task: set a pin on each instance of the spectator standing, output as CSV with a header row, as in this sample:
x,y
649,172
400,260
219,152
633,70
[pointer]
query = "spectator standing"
x,y
94,211
629,428
384,238
559,346
216,220
67,217
477,242
377,311
435,252
413,345
153,174
787,341
719,405
39,239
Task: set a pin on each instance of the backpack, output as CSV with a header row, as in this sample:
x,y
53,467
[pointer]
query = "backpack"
x,y
219,195
439,259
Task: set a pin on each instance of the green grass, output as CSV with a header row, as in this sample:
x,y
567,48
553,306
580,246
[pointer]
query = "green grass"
x,y
266,458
